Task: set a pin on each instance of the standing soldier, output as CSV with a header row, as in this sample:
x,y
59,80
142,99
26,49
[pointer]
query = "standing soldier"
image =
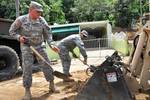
x,y
33,27
68,44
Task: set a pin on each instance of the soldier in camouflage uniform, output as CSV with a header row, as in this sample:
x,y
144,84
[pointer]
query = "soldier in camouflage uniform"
x,y
35,28
68,44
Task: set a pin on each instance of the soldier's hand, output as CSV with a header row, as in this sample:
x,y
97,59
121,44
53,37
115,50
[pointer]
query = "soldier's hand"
x,y
55,48
22,39
85,61
74,55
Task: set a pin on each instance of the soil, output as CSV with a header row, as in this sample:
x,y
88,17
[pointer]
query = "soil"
x,y
13,90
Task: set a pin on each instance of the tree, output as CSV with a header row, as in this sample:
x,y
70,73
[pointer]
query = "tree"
x,y
129,10
118,12
67,6
93,10
7,9
52,9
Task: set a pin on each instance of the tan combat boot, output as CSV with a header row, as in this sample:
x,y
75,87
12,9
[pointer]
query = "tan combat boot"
x,y
52,87
27,95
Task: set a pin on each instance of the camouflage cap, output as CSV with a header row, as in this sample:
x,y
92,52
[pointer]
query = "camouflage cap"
x,y
85,33
36,6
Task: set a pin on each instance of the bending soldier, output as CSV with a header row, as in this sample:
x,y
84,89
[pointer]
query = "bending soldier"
x,y
68,44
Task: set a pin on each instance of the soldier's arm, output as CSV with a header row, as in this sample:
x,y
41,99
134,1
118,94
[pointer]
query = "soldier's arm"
x,y
80,44
46,31
14,29
48,35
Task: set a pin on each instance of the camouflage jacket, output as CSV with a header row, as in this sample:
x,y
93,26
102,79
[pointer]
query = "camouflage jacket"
x,y
71,42
37,31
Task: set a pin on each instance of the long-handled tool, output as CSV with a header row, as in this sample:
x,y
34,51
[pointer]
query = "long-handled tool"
x,y
83,62
55,73
91,68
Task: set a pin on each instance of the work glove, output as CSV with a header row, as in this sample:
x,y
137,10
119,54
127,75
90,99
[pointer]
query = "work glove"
x,y
55,48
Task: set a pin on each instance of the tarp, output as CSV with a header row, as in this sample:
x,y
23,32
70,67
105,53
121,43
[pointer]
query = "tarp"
x,y
65,29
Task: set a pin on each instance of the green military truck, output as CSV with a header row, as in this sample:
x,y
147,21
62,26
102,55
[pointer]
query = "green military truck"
x,y
9,51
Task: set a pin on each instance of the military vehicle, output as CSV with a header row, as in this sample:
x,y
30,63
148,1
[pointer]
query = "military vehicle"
x,y
9,51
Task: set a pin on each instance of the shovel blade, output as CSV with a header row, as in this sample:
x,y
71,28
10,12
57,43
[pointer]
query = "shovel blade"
x,y
60,75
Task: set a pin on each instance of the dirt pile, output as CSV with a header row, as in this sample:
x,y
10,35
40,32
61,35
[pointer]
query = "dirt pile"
x,y
70,89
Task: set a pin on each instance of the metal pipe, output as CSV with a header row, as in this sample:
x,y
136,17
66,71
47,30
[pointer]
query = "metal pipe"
x,y
17,3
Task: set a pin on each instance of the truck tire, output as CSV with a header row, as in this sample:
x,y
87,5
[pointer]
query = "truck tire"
x,y
9,62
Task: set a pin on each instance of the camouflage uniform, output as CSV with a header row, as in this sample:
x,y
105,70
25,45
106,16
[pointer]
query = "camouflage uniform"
x,y
68,44
37,31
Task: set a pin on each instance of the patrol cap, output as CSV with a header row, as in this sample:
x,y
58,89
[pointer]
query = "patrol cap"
x,y
85,33
36,6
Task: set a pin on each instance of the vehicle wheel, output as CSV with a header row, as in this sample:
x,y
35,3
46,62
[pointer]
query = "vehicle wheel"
x,y
9,62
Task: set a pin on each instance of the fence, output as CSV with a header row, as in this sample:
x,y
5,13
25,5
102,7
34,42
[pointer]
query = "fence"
x,y
99,43
98,48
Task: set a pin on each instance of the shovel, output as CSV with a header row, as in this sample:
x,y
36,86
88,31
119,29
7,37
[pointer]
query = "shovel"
x,y
55,73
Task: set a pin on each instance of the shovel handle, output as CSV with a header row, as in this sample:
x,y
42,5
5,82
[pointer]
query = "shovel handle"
x,y
83,62
56,73
39,55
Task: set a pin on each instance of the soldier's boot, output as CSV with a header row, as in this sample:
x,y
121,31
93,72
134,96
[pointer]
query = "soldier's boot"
x,y
52,87
27,95
68,79
69,75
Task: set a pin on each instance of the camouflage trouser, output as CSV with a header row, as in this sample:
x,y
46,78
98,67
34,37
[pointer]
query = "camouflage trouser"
x,y
27,62
65,59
